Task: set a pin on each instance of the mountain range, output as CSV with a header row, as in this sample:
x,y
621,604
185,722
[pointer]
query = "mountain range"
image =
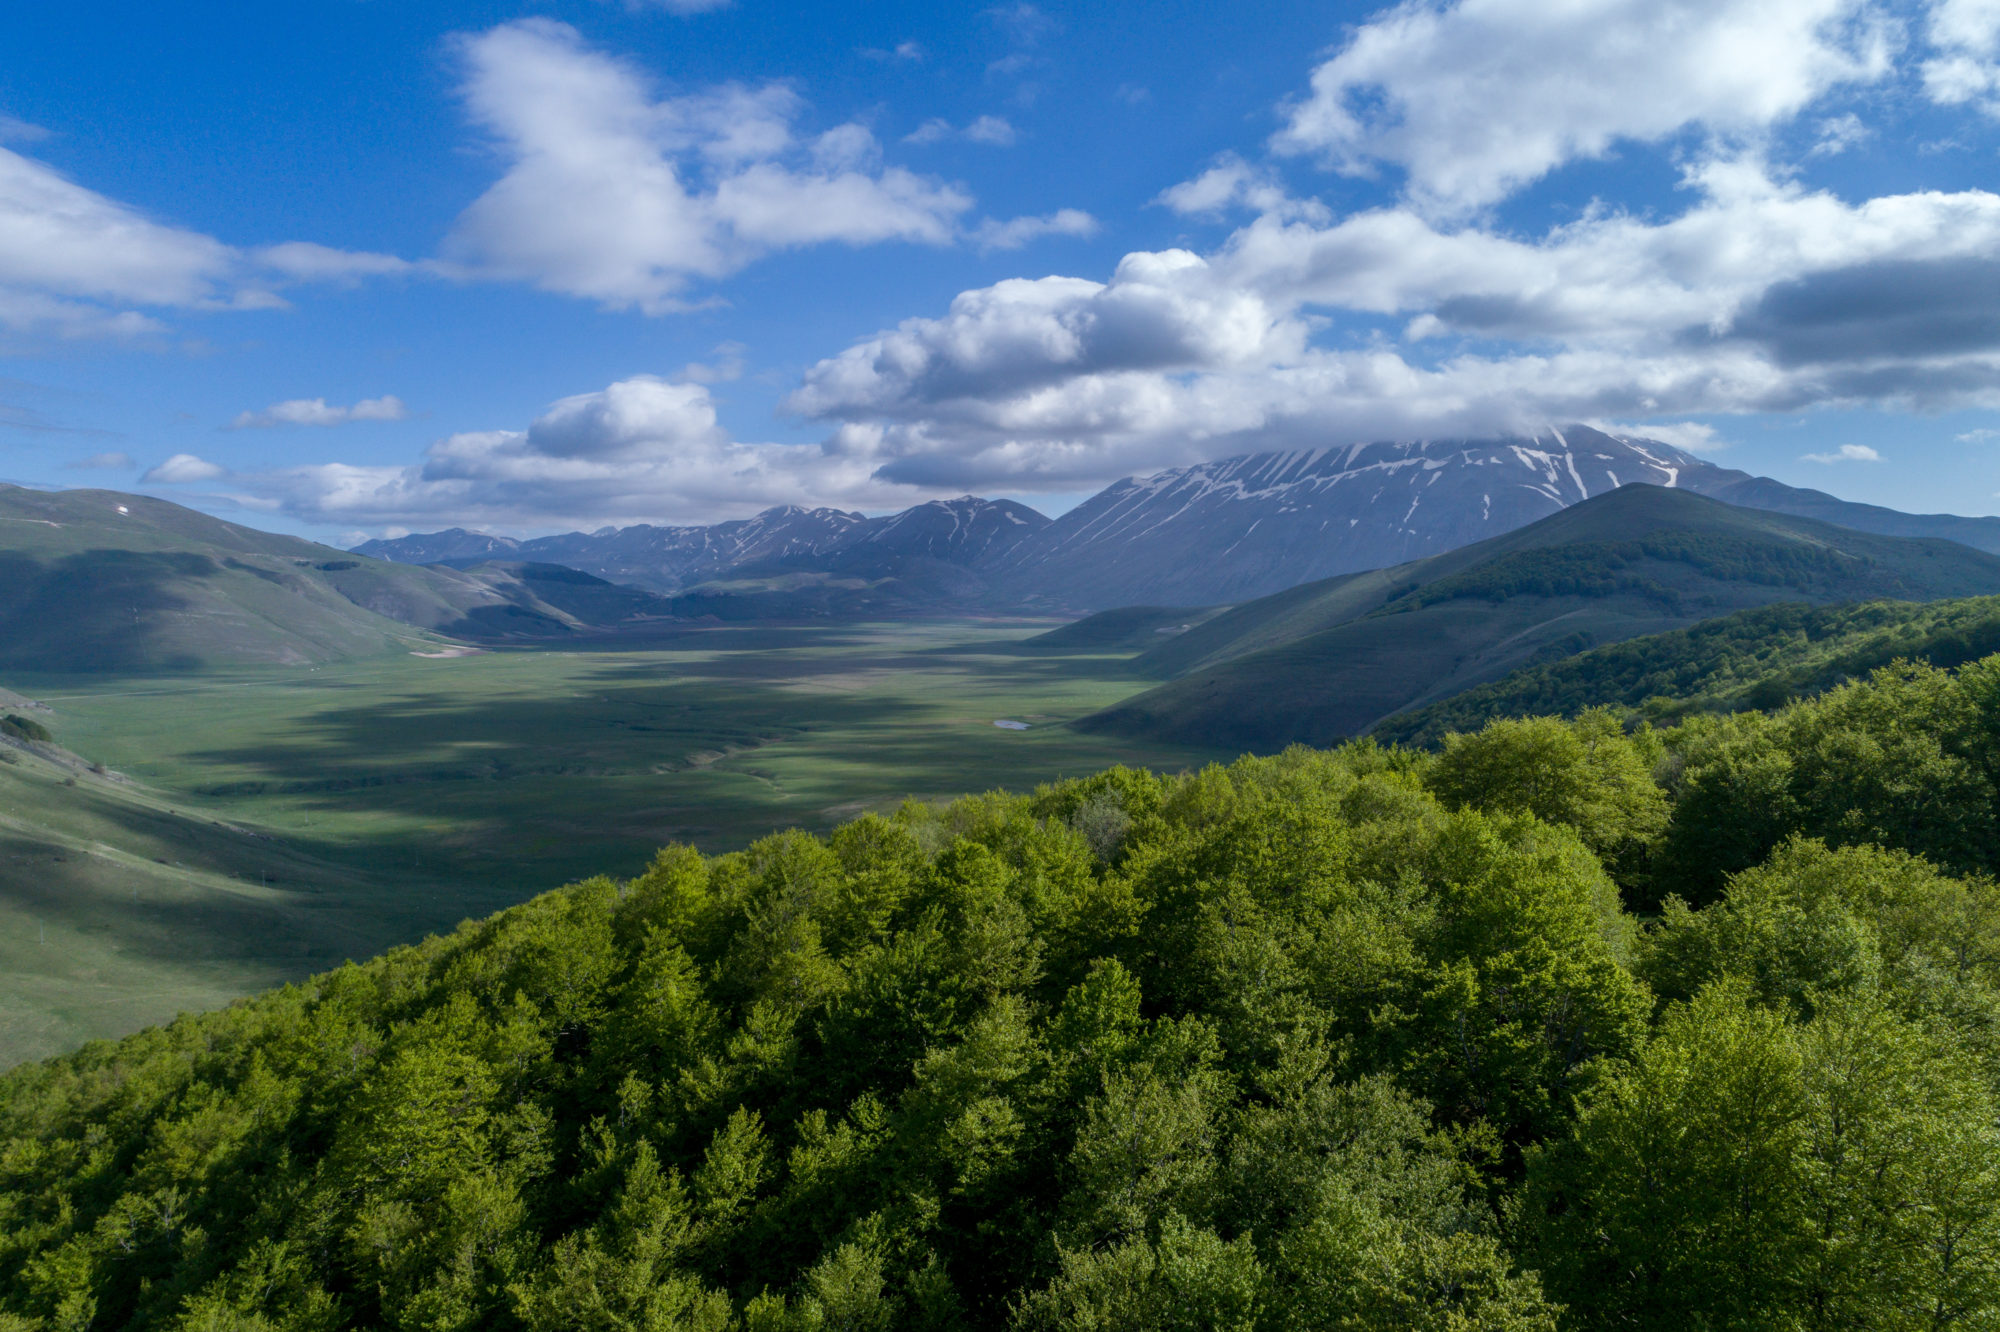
x,y
1219,532
98,580
961,533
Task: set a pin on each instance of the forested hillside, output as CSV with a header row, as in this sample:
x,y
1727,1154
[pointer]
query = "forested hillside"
x,y
1365,1038
1754,659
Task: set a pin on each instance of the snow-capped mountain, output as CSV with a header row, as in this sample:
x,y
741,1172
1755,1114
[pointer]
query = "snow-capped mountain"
x,y
1245,527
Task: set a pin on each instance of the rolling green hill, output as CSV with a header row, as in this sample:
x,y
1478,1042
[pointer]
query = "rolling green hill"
x,y
97,581
1329,660
1759,659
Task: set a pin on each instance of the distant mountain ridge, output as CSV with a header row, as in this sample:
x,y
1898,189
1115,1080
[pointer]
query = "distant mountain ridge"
x,y
1219,532
1761,492
958,532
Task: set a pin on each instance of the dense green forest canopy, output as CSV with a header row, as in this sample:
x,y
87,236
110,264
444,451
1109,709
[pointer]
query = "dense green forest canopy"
x,y
1761,658
1362,1038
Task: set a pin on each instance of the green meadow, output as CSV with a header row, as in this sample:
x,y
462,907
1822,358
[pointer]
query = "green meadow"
x,y
258,825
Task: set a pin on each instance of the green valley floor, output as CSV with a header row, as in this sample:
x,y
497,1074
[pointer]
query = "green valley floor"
x,y
258,826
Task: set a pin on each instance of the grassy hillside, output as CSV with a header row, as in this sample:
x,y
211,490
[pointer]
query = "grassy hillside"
x,y
93,580
120,905
1326,661
1754,659
98,581
1360,1039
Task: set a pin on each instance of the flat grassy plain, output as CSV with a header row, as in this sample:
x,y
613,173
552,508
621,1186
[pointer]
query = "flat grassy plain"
x,y
277,821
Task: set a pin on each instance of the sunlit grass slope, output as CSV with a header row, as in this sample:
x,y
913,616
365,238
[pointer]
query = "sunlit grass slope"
x,y
1130,629
93,580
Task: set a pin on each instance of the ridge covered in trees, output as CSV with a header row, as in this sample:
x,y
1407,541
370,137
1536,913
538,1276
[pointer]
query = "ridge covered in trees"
x,y
1754,659
1560,1027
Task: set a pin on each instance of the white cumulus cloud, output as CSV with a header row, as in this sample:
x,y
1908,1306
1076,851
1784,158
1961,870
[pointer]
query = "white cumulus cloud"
x,y
1845,453
994,131
305,261
1839,133
182,469
1425,317
644,449
1233,183
317,412
1019,231
1475,99
1964,66
75,263
1687,436
619,195
610,191
13,130
103,462
1762,296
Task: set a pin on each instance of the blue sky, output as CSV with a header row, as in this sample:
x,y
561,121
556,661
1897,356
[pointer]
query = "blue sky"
x,y
352,268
